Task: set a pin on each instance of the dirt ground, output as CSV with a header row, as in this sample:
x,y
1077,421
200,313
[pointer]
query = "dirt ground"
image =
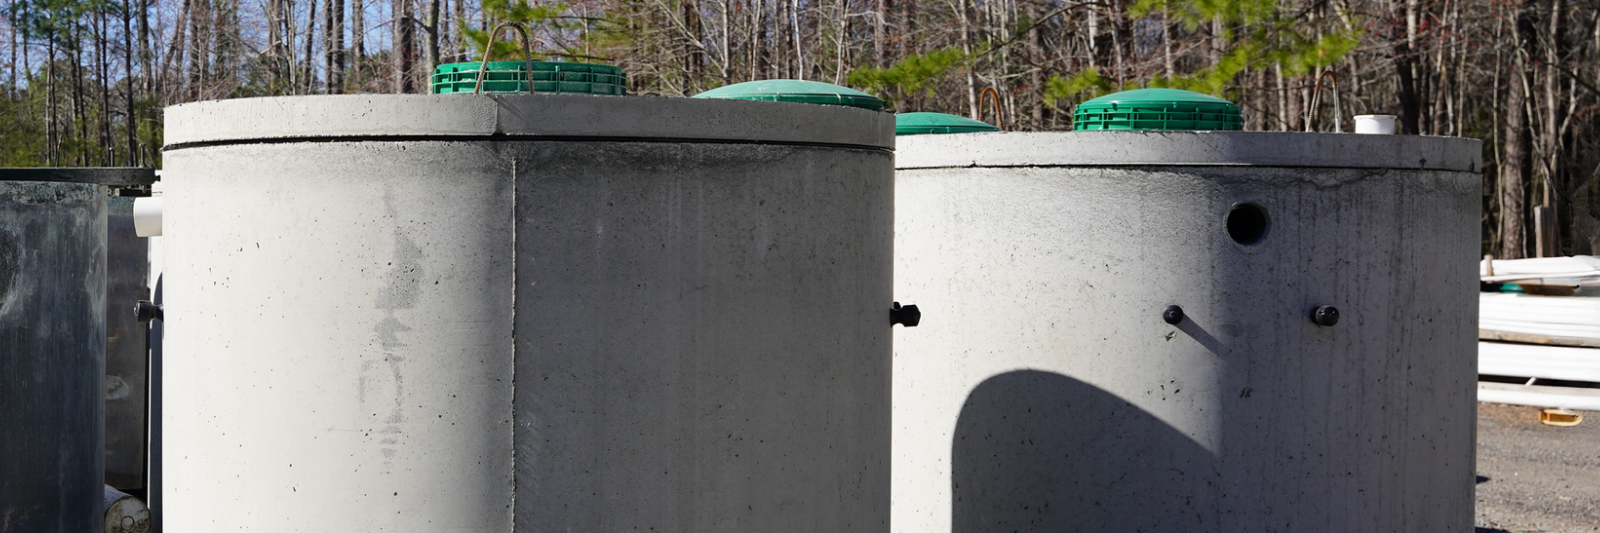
x,y
1536,478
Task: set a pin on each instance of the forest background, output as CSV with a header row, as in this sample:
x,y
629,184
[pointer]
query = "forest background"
x,y
83,82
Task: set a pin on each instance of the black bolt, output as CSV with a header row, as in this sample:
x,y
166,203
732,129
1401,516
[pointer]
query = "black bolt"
x,y
146,310
1326,315
1172,314
907,316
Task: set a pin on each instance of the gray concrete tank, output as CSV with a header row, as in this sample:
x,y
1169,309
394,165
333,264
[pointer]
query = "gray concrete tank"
x,y
529,313
52,351
1050,387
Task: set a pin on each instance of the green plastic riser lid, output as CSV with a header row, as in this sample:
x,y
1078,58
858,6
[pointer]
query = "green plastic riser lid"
x,y
797,91
1157,109
549,77
933,123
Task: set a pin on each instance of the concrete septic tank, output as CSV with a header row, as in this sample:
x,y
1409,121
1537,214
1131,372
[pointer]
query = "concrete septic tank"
x,y
526,313
1053,388
52,350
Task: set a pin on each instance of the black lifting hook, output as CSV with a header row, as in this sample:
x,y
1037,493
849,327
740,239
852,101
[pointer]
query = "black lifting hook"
x,y
907,316
146,310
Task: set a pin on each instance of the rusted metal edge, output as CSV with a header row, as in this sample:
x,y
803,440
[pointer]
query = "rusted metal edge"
x,y
1529,338
98,175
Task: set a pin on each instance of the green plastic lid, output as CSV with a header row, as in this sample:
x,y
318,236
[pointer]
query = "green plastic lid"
x,y
1157,109
547,77
923,123
798,91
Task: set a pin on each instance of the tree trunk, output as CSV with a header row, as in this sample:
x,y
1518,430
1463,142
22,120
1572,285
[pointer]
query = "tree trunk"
x,y
199,27
1513,204
1406,84
308,72
404,51
1036,74
1552,108
175,47
880,56
102,67
1166,42
433,35
52,137
799,42
11,19
1216,41
358,41
964,19
334,45
146,53
130,96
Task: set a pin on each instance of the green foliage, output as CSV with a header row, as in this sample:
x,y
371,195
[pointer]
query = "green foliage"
x,y
21,132
53,20
915,72
1057,88
532,18
1270,37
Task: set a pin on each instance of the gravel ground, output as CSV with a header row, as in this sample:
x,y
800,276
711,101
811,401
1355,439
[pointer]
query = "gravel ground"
x,y
1536,478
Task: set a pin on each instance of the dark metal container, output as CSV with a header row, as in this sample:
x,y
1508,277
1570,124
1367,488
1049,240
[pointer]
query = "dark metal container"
x,y
127,349
52,353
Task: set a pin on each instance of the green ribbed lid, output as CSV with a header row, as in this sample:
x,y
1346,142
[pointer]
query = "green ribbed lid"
x,y
798,91
556,77
1157,109
925,123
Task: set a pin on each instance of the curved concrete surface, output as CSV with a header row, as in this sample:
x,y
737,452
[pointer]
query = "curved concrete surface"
x,y
1190,148
530,334
374,116
1045,392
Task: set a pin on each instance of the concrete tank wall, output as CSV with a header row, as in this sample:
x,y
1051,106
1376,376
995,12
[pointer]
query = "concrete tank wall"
x,y
1044,391
52,356
569,313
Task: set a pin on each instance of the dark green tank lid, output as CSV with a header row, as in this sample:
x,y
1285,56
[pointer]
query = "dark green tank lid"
x,y
924,123
557,77
1157,109
798,91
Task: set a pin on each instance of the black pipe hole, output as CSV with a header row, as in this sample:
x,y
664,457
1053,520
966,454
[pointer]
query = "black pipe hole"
x,y
1247,224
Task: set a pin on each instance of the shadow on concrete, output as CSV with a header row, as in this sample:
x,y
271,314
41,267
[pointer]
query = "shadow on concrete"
x,y
1042,452
1482,479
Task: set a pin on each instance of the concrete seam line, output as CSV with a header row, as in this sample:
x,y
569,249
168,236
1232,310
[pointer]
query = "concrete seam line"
x,y
514,288
1174,165
512,138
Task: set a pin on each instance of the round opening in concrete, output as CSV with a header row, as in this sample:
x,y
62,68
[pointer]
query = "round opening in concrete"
x,y
1247,224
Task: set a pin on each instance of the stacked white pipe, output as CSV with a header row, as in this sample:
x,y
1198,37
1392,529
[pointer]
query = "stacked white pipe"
x,y
1541,337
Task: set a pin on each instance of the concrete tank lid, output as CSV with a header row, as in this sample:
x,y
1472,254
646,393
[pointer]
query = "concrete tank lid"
x,y
522,117
796,91
937,124
96,175
1189,148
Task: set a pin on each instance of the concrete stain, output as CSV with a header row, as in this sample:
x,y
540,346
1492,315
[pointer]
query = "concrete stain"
x,y
10,262
382,382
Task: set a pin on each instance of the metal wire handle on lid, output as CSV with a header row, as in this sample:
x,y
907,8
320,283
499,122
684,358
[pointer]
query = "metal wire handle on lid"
x,y
1316,98
488,50
989,92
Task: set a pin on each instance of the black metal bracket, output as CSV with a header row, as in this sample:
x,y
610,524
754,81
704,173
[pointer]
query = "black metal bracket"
x,y
146,310
1172,314
1326,315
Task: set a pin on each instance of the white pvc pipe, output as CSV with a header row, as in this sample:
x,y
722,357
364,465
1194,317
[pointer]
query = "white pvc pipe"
x,y
1375,124
147,216
1538,396
1538,361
